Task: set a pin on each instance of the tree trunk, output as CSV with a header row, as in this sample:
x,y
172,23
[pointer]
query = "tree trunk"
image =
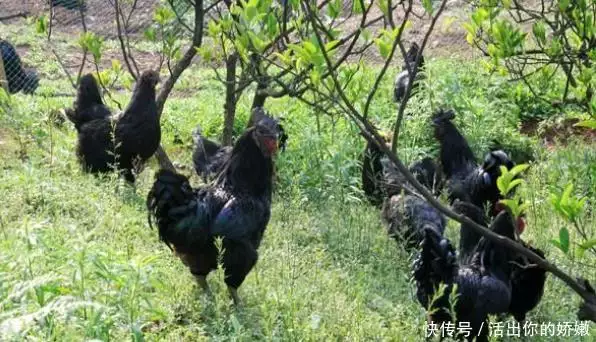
x,y
230,105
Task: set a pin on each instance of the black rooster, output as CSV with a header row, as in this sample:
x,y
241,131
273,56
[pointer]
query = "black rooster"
x,y
18,79
406,214
236,207
209,157
482,278
466,180
402,80
124,142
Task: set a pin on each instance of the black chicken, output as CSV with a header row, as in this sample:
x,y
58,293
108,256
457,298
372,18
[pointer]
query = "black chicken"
x,y
482,278
466,180
372,173
236,207
89,105
122,142
527,282
405,214
18,79
209,157
402,80
468,237
70,4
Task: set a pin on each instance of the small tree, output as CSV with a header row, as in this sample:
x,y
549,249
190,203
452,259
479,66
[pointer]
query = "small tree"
x,y
537,42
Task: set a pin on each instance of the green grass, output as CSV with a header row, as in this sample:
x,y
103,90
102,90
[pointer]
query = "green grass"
x,y
78,260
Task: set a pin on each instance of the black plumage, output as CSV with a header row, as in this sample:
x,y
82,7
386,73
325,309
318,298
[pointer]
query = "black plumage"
x,y
469,237
482,278
17,77
527,281
466,180
402,80
405,214
88,105
236,207
209,157
123,142
372,173
70,4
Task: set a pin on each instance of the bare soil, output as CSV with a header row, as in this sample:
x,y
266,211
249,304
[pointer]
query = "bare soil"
x,y
560,132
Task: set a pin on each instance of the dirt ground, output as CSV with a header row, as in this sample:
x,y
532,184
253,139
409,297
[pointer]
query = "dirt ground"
x,y
98,15
448,38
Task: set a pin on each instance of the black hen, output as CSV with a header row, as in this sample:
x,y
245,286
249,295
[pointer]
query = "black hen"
x,y
405,214
466,180
236,207
482,278
209,157
124,142
89,104
18,79
402,80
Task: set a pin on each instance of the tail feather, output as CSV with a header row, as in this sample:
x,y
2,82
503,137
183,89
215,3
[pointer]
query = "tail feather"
x,y
469,238
435,264
428,174
208,156
173,204
456,154
527,284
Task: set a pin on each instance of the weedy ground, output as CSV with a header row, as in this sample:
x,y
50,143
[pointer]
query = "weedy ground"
x,y
78,260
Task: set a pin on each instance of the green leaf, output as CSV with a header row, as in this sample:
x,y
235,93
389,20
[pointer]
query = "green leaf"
x,y
331,45
116,66
150,34
539,32
271,25
357,7
428,6
556,244
213,29
585,246
384,48
564,239
334,8
588,244
41,24
587,123
513,184
384,7
517,169
251,10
